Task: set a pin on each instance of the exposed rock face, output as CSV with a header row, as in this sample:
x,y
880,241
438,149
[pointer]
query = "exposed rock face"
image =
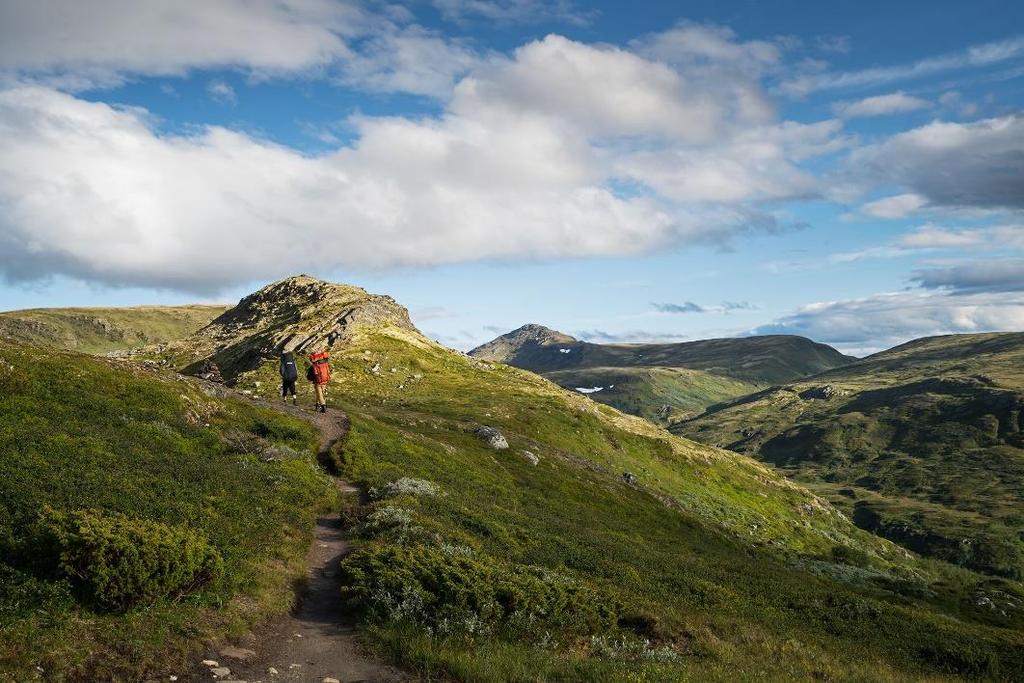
x,y
824,392
299,314
492,437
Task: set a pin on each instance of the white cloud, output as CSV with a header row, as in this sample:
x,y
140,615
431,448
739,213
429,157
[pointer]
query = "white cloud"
x,y
959,165
222,92
977,56
897,206
520,166
881,321
105,39
880,105
407,59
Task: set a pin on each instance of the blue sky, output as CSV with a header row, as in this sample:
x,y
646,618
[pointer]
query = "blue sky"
x,y
853,172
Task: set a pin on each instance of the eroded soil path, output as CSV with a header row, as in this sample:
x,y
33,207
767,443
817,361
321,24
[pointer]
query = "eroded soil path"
x,y
318,640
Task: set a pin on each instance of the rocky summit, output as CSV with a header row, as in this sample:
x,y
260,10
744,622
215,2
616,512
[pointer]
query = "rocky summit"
x,y
509,346
300,314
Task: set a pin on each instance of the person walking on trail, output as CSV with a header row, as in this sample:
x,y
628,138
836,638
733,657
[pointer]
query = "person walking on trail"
x,y
289,376
319,373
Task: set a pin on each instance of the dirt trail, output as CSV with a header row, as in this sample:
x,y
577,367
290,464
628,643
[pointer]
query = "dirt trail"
x,y
317,641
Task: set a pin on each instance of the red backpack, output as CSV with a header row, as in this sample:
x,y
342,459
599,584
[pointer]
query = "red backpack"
x,y
321,367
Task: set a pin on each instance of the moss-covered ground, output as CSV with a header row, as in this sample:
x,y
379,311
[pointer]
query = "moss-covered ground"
x,y
158,459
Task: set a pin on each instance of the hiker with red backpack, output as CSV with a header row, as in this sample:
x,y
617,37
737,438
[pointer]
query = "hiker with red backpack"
x,y
319,373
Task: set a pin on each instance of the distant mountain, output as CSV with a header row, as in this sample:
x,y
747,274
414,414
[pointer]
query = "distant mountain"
x,y
99,330
922,444
662,382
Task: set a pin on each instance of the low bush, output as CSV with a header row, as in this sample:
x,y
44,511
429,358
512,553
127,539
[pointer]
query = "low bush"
x,y
120,561
468,594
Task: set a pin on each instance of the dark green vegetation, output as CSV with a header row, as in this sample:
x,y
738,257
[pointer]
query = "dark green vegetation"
x,y
99,330
139,515
921,444
478,564
662,382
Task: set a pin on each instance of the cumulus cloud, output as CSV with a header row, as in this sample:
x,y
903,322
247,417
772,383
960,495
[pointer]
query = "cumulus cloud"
x,y
691,307
406,59
528,160
105,39
878,322
880,105
970,165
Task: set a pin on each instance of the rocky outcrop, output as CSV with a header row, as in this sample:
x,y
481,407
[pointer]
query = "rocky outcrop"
x,y
300,314
505,347
492,437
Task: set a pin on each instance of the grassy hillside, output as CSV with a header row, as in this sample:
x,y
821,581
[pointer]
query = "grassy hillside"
x,y
99,330
661,395
662,382
139,515
623,553
921,444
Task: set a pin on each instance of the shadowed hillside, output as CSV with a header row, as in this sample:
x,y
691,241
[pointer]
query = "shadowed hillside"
x,y
921,444
662,382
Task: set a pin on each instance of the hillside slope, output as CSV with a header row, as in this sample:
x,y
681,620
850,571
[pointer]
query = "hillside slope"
x,y
921,444
662,382
140,514
100,330
595,546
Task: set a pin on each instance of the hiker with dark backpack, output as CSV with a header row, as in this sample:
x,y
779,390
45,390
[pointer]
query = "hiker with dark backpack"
x,y
289,376
319,373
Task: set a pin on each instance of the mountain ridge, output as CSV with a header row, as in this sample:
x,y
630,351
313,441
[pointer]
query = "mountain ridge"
x,y
663,382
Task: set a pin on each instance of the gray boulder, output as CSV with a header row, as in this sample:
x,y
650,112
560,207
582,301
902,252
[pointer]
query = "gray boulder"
x,y
492,437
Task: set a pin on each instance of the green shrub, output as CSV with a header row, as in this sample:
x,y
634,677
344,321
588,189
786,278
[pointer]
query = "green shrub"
x,y
466,593
120,561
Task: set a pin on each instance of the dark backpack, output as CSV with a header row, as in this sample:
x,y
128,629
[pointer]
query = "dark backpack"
x,y
289,371
310,373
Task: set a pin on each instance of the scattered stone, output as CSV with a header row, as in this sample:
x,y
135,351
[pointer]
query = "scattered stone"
x,y
172,678
492,436
823,392
330,680
375,369
530,458
272,671
211,373
210,662
233,652
220,671
629,478
294,666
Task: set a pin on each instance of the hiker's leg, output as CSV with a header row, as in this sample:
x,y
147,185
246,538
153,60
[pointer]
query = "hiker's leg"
x,y
321,399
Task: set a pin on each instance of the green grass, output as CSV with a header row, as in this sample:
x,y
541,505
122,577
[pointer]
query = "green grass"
x,y
661,395
714,566
922,444
155,454
99,330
